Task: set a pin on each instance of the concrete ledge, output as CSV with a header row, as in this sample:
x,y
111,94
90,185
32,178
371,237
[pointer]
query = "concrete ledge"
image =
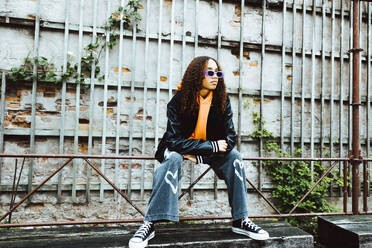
x,y
345,231
167,235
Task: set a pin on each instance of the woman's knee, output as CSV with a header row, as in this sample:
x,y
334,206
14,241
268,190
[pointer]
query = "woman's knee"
x,y
235,155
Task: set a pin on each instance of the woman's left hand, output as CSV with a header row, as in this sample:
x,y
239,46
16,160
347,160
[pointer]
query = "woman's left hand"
x,y
192,158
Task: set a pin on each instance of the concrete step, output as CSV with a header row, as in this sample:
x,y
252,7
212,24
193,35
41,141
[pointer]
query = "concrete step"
x,y
345,231
282,235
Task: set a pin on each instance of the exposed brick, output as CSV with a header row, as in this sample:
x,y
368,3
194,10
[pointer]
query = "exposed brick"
x,y
12,99
14,105
20,119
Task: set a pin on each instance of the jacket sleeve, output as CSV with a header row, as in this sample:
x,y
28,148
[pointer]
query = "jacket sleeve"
x,y
230,136
175,141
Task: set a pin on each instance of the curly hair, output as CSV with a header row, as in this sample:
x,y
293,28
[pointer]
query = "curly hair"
x,y
192,84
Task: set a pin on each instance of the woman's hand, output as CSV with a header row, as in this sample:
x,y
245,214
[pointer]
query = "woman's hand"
x,y
222,145
192,158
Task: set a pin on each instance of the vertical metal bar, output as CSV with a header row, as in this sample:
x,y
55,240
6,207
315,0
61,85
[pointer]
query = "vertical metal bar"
x,y
345,185
263,47
312,91
63,99
365,186
92,78
341,114
356,102
332,87
118,106
282,94
2,118
144,126
350,119
303,79
33,104
219,41
105,89
323,79
293,74
368,86
158,74
351,28
132,92
196,40
184,37
77,101
196,27
241,47
170,79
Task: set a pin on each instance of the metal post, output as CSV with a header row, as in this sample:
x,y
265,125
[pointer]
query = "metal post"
x,y
355,145
2,118
345,185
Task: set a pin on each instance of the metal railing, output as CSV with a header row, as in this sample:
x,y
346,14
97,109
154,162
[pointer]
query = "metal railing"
x,y
87,159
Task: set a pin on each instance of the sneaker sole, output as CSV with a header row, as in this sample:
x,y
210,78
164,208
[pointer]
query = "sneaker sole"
x,y
252,235
142,244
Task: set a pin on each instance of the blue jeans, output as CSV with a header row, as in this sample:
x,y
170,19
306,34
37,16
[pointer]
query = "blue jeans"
x,y
163,204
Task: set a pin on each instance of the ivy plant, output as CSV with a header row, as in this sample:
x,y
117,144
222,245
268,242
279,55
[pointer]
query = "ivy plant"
x,y
46,70
292,180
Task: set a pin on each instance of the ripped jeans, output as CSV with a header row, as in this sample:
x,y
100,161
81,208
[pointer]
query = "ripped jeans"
x,y
163,204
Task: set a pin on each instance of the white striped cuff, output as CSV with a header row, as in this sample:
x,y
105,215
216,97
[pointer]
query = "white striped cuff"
x,y
199,159
215,146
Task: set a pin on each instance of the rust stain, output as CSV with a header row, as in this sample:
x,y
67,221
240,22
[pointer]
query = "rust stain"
x,y
253,64
84,108
163,78
288,67
236,73
110,111
32,16
258,101
71,108
123,69
289,77
188,203
126,166
83,147
127,99
298,104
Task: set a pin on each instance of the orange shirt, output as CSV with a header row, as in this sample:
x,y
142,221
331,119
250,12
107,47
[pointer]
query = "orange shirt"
x,y
200,131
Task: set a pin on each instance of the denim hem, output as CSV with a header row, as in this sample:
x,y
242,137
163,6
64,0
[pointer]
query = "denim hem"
x,y
156,217
240,215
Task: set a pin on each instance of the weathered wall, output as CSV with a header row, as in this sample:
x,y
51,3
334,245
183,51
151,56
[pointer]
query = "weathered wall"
x,y
160,65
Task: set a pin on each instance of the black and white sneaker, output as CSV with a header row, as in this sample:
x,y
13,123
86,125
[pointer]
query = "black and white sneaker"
x,y
143,235
246,227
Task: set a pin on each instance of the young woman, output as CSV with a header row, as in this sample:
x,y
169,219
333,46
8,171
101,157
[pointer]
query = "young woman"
x,y
200,128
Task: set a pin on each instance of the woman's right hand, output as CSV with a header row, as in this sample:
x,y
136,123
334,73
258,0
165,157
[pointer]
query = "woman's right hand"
x,y
222,145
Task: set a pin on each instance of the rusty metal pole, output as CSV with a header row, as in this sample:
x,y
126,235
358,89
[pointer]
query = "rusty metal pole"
x,y
355,143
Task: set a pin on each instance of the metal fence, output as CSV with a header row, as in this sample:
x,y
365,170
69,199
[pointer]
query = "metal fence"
x,y
290,61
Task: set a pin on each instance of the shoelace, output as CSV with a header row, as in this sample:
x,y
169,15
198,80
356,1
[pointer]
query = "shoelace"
x,y
250,224
143,230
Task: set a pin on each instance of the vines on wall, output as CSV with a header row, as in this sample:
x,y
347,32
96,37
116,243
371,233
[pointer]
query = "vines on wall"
x,y
46,70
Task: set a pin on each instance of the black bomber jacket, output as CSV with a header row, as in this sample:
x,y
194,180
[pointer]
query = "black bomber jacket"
x,y
180,127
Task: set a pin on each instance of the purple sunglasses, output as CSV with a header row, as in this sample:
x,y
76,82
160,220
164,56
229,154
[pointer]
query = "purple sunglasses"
x,y
209,73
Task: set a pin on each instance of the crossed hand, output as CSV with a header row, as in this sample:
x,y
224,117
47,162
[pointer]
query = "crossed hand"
x,y
222,145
